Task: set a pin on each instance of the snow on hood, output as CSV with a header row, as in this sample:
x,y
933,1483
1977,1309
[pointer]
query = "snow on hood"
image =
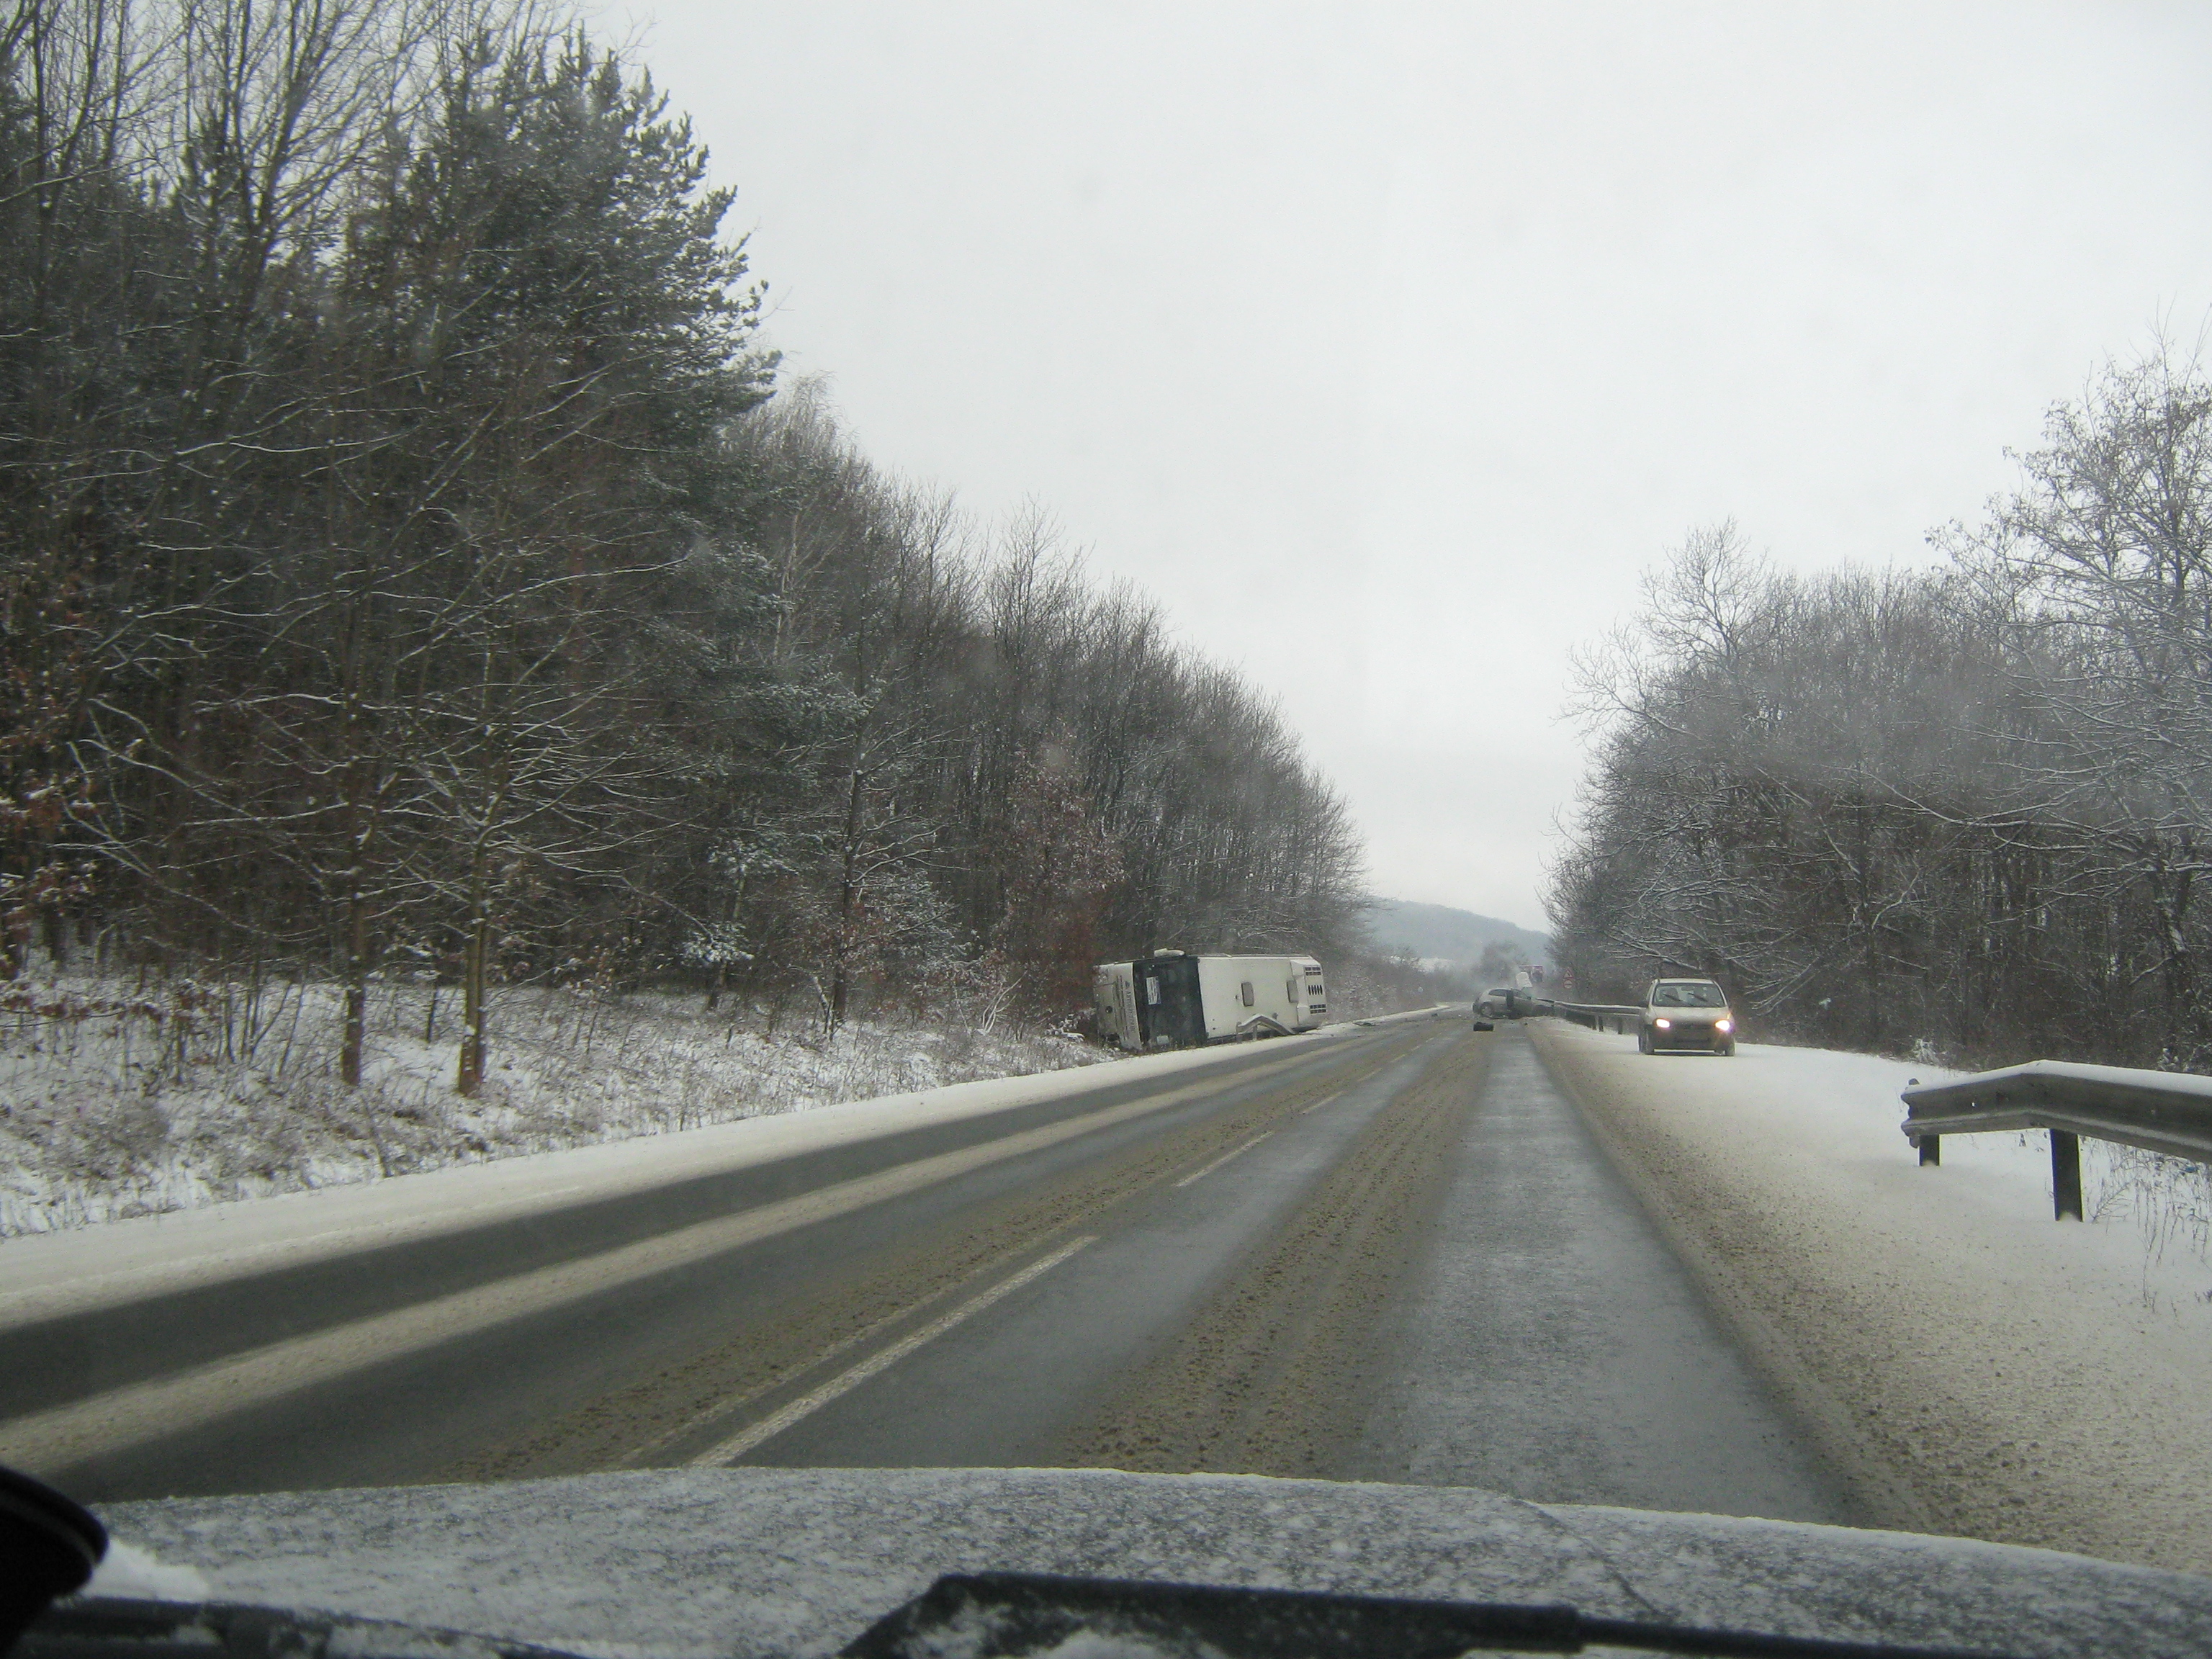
x,y
131,1573
716,1564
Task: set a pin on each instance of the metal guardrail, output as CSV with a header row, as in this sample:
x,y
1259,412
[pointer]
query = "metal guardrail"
x,y
1598,1016
2168,1112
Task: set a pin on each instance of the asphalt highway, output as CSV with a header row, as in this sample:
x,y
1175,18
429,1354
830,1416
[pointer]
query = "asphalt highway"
x,y
1392,1254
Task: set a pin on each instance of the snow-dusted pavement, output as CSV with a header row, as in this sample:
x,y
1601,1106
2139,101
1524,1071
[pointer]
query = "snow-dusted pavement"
x,y
1978,1368
1396,1254
633,1302
1550,1343
1387,1254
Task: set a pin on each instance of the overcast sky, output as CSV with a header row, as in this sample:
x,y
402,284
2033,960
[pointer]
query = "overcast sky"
x,y
1387,344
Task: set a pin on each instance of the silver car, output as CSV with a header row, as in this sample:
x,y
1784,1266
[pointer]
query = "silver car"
x,y
1686,1016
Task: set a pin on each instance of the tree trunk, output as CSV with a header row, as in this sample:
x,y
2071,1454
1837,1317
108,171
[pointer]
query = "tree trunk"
x,y
849,891
359,827
2171,895
1875,1023
351,1042
469,1077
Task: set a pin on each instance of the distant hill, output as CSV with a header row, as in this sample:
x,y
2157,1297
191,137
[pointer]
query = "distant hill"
x,y
1438,931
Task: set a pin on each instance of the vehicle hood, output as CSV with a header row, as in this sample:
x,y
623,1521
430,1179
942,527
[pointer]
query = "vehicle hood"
x,y
694,1564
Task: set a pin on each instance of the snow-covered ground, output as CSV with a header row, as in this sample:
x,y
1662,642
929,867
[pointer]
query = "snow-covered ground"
x,y
1988,1371
117,1101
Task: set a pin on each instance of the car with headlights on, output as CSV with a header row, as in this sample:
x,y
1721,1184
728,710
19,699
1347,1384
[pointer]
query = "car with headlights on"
x,y
1686,1016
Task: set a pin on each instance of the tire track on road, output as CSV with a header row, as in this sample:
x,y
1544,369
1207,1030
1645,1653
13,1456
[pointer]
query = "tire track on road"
x,y
663,1417
118,1421
1274,1375
1716,1237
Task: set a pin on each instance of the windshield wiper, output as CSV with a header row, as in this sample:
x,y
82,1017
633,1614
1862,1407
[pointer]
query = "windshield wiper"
x,y
985,1616
1005,1615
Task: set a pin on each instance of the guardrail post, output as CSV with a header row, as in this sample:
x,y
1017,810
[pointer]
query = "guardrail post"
x,y
2065,1175
1931,1148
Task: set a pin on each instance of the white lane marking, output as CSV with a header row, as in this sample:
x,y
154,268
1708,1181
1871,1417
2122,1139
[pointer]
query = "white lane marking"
x,y
1200,1174
96,1292
876,1363
1322,1102
860,1339
140,1413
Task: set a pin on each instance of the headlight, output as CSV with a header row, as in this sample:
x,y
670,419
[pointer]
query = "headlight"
x,y
1724,1025
1664,1025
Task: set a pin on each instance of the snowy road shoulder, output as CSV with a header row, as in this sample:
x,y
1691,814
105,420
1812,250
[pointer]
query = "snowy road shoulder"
x,y
2000,1375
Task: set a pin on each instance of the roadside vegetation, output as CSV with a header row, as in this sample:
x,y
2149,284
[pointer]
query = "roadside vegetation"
x,y
122,1098
1962,813
413,572
191,1094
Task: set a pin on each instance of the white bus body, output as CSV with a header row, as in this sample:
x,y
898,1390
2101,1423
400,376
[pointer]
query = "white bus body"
x,y
1172,1000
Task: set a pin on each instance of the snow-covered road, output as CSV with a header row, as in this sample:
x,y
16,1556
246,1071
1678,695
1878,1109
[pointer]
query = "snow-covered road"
x,y
1390,1254
1979,1368
583,1311
1398,1254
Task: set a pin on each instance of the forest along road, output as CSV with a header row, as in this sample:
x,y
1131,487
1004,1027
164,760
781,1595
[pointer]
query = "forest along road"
x,y
1394,1254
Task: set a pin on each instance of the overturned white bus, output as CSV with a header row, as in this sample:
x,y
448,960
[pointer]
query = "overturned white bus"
x,y
1170,999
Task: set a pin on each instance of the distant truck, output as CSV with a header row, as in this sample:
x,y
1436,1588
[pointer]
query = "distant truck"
x,y
1170,999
